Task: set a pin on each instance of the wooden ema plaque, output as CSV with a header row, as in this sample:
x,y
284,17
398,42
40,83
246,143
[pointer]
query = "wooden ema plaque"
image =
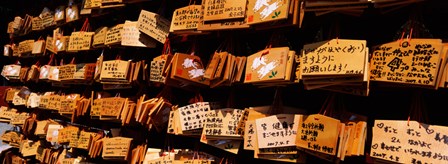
x,y
186,18
100,36
334,57
222,24
269,64
115,69
221,123
131,36
228,9
153,25
409,142
318,133
259,11
113,35
189,68
117,147
36,24
80,41
415,62
285,124
26,46
112,106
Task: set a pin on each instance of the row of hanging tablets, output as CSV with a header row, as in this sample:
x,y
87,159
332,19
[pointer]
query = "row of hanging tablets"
x,y
338,65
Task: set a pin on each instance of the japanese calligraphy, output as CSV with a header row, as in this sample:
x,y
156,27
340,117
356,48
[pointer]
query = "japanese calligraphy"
x,y
131,36
413,62
115,69
156,70
250,135
334,57
116,147
80,41
224,9
186,18
277,131
100,36
409,142
66,72
222,122
193,116
318,133
113,35
153,25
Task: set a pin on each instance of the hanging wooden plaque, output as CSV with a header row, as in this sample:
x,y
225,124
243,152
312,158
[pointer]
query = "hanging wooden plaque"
x,y
36,24
113,35
259,11
334,57
186,18
72,13
59,14
268,64
409,142
100,36
414,61
228,9
153,25
318,133
114,69
80,41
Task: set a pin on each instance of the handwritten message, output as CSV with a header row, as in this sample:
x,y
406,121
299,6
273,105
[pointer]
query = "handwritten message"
x,y
193,116
409,142
67,106
112,106
95,111
115,69
116,147
224,9
413,62
186,18
277,131
222,122
221,25
250,135
48,20
80,41
153,25
36,24
68,134
26,46
131,36
66,72
84,140
100,36
318,133
113,35
156,70
334,57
